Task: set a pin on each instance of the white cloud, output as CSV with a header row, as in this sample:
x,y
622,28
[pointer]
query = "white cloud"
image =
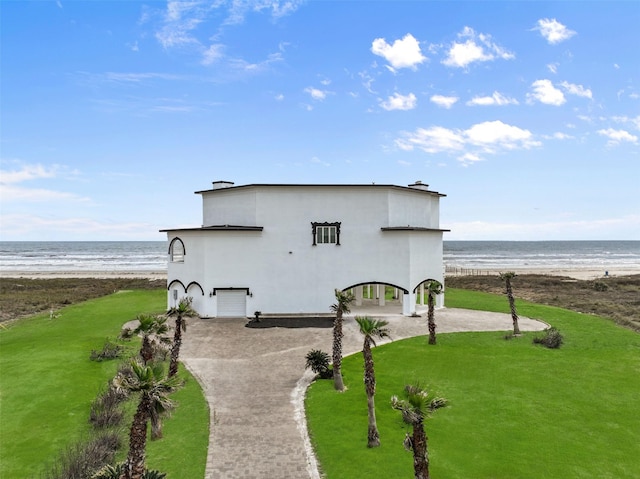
x,y
243,66
497,99
26,173
559,136
32,226
545,92
477,47
11,192
137,77
432,140
617,136
488,137
574,89
180,20
212,54
403,53
635,121
276,8
279,97
613,228
553,31
496,134
553,67
316,93
469,159
399,102
444,101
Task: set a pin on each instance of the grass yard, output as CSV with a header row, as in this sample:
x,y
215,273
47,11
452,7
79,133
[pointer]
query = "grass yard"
x,y
48,383
517,410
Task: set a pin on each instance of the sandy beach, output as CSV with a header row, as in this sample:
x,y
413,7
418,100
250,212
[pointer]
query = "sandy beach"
x,y
151,275
575,273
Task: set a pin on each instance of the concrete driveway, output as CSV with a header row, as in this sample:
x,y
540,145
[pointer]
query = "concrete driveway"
x,y
254,381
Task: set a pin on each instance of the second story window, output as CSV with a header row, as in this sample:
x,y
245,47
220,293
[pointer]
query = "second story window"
x,y
176,251
326,233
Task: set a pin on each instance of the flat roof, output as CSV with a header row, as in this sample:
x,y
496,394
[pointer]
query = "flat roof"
x,y
310,185
217,228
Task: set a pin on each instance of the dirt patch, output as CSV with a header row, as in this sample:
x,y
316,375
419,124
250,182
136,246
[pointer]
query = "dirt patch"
x,y
617,298
20,297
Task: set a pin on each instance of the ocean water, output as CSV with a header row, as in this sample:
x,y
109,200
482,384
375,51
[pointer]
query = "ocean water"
x,y
36,256
54,256
492,255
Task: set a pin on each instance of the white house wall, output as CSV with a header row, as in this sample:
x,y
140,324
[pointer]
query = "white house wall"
x,y
283,271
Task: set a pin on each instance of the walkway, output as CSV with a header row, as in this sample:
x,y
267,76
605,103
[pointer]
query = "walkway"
x,y
254,382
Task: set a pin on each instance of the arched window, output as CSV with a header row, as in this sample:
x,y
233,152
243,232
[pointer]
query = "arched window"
x,y
176,250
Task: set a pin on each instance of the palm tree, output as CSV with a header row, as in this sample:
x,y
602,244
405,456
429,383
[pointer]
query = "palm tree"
x,y
154,388
507,277
371,329
153,330
434,288
180,312
417,405
341,307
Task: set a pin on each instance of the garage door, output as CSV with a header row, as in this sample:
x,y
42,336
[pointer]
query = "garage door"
x,y
232,304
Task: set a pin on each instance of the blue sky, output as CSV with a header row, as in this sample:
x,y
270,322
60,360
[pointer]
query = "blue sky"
x,y
525,114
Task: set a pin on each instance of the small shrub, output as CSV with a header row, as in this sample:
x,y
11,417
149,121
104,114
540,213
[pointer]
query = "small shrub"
x,y
105,409
600,286
84,458
552,338
110,350
318,362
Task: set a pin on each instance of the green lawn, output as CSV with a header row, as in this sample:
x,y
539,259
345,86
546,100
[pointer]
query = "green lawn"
x,y
47,384
516,410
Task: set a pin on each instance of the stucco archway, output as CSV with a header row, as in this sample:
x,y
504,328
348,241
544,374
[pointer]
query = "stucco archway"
x,y
421,294
377,296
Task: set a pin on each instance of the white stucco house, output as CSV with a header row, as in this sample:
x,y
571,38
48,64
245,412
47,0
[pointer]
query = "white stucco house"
x,y
285,248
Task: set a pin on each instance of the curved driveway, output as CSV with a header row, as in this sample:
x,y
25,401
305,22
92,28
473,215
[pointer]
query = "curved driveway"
x,y
254,381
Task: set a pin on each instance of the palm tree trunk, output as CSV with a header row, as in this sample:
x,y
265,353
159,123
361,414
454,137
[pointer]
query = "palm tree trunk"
x,y
337,353
420,452
135,464
373,436
146,351
512,307
431,319
175,347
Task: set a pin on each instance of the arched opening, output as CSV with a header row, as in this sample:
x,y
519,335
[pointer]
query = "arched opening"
x,y
422,294
176,250
377,298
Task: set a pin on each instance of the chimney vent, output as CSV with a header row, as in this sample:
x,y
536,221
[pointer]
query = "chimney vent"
x,y
218,185
419,185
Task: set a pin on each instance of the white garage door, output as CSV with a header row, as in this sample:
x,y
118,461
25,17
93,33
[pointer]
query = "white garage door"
x,y
232,304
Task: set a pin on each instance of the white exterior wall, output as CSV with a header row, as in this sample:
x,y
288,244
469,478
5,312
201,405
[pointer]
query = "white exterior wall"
x,y
284,272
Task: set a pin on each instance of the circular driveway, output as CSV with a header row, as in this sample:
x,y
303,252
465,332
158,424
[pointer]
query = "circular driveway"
x,y
254,381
